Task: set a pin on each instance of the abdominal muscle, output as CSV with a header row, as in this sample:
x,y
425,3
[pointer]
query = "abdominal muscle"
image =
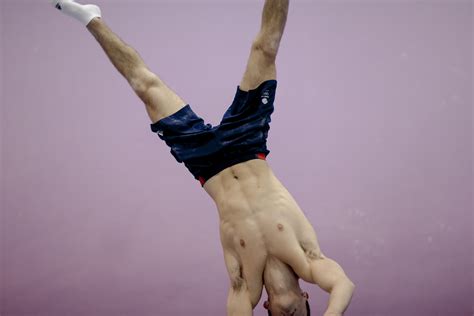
x,y
258,216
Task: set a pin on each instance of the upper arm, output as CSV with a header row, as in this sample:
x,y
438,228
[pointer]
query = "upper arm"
x,y
238,299
233,269
238,302
326,273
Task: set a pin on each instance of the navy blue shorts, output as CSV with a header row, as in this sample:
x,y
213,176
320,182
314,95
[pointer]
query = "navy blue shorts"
x,y
240,136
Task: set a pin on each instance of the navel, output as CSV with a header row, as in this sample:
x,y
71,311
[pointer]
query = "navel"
x,y
280,227
233,174
242,243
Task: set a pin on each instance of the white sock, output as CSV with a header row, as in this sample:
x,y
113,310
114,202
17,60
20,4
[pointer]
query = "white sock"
x,y
83,13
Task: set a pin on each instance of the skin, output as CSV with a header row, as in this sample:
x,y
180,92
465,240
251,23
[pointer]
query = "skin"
x,y
266,238
281,283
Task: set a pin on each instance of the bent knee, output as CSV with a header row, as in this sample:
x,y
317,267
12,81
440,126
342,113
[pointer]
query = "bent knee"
x,y
142,80
268,45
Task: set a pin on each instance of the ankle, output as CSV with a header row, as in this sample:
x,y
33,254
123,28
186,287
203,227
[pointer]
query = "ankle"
x,y
94,23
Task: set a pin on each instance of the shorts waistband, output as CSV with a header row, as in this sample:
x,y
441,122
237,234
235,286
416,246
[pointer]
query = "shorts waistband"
x,y
202,179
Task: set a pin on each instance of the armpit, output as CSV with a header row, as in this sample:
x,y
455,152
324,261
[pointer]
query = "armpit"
x,y
312,250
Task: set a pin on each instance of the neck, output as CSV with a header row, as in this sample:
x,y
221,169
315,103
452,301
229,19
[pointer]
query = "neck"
x,y
277,289
280,279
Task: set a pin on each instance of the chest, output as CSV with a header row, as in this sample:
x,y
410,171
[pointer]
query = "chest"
x,y
248,231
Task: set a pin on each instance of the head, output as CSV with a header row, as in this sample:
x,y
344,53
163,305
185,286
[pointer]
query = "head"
x,y
290,304
285,297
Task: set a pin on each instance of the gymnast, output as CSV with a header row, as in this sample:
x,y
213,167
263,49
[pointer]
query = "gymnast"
x,y
265,236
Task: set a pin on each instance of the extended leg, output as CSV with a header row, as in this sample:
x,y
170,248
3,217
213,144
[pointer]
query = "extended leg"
x,y
160,101
261,63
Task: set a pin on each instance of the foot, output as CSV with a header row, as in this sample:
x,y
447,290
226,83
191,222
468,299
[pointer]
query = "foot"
x,y
83,13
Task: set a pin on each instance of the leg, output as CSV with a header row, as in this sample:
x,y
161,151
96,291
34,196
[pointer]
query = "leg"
x,y
160,101
261,63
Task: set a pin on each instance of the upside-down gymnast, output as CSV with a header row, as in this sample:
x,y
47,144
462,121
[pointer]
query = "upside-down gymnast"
x,y
266,238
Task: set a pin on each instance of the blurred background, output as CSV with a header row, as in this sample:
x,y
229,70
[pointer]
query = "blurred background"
x,y
372,134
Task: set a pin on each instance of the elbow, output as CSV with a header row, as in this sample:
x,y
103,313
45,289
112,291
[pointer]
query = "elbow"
x,y
350,285
345,284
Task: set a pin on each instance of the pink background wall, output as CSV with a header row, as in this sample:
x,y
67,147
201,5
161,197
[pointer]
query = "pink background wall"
x,y
371,134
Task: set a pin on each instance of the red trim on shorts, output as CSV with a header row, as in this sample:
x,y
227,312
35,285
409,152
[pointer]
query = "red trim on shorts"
x,y
261,156
202,180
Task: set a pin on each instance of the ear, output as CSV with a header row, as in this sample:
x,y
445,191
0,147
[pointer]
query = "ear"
x,y
305,295
266,304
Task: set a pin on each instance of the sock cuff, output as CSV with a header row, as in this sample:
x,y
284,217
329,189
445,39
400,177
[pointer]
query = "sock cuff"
x,y
86,19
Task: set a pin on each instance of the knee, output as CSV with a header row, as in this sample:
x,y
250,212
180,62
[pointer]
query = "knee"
x,y
141,80
267,44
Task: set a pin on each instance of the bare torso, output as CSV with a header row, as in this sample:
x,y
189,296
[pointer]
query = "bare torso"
x,y
259,219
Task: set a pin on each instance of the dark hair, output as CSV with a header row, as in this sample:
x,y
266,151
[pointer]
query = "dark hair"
x,y
308,311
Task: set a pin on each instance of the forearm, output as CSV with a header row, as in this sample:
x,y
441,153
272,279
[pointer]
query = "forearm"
x,y
340,298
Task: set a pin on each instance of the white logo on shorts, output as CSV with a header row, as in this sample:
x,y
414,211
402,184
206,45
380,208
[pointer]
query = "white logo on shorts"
x,y
160,133
265,96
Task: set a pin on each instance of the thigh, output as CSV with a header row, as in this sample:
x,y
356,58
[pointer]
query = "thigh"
x,y
159,99
162,102
260,67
